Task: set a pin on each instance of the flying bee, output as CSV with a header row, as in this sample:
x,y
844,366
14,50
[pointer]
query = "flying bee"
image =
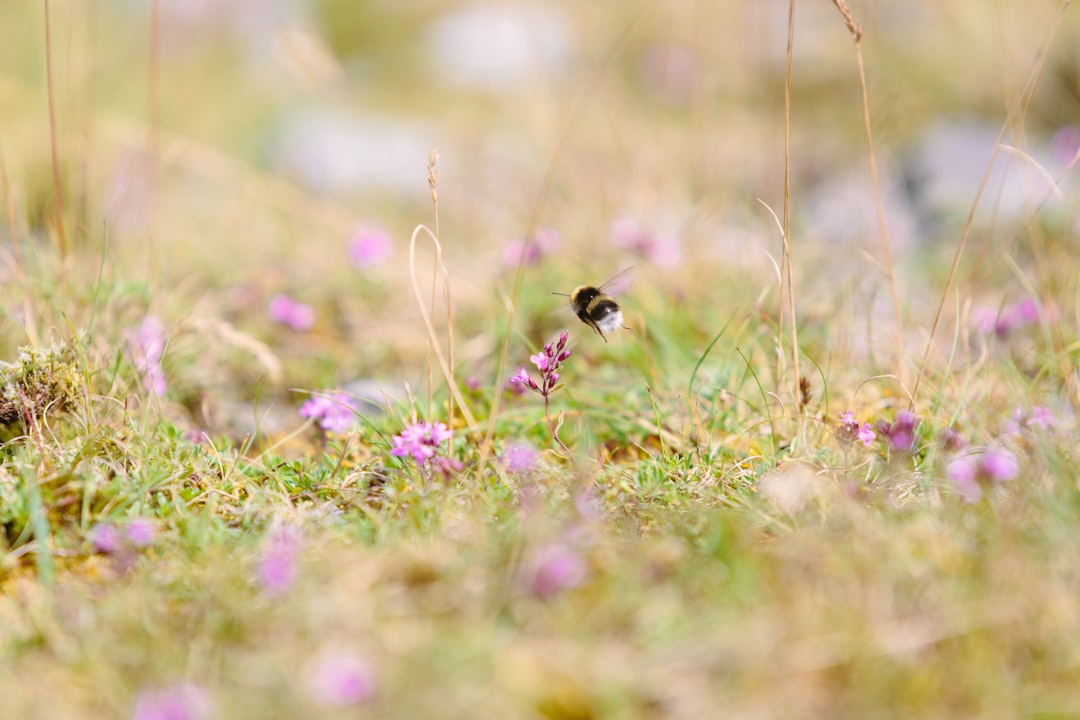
x,y
597,309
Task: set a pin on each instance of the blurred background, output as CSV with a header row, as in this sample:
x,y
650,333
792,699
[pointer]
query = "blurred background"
x,y
214,155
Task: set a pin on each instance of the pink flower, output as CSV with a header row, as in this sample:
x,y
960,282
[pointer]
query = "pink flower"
x,y
1040,418
1009,318
520,457
900,433
146,346
998,465
335,411
971,473
298,316
140,532
540,360
182,701
850,430
421,440
106,539
370,246
277,566
963,471
555,569
341,679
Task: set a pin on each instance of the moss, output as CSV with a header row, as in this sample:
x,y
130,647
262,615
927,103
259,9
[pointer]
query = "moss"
x,y
41,380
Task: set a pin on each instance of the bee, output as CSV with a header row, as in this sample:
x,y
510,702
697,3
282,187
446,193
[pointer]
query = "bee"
x,y
597,309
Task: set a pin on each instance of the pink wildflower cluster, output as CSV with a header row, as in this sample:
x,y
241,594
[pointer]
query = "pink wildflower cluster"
x,y
1037,420
276,569
555,569
548,362
181,701
850,430
146,346
1009,318
335,412
421,441
369,246
110,539
287,311
341,679
900,433
975,471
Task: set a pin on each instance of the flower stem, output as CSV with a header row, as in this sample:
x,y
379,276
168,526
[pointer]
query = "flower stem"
x,y
551,426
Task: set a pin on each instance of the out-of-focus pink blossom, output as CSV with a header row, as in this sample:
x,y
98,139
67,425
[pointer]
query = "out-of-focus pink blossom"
x,y
146,346
973,472
287,311
277,565
140,532
340,679
182,701
900,433
335,411
520,457
370,246
555,569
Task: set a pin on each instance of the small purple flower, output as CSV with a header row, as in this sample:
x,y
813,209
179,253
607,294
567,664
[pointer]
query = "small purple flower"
x,y
952,441
286,311
963,472
421,440
998,465
335,411
522,381
1009,318
140,532
547,362
555,569
1039,418
520,457
370,246
850,430
971,473
277,565
182,701
900,434
146,346
107,539
340,680
541,360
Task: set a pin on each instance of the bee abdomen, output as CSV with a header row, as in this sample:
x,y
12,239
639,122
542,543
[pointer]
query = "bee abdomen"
x,y
602,307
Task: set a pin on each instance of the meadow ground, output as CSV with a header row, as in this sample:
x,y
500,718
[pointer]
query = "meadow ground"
x,y
293,425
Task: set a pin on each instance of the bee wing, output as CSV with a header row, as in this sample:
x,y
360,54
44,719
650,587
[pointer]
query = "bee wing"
x,y
620,282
